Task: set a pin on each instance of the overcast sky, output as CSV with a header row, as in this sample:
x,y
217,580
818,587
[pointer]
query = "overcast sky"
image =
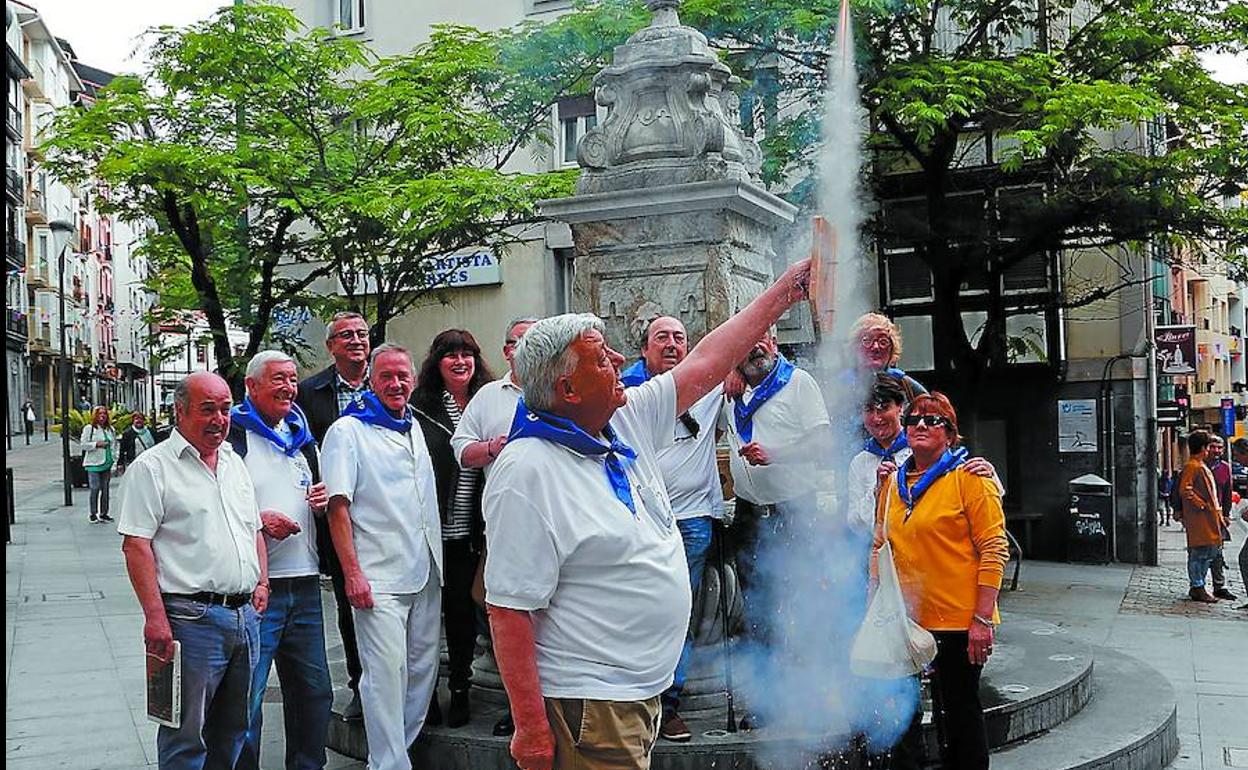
x,y
104,32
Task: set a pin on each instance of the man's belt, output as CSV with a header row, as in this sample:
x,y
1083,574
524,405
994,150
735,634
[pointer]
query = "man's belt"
x,y
229,601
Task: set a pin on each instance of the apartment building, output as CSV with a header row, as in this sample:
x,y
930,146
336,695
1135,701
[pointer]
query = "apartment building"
x,y
16,363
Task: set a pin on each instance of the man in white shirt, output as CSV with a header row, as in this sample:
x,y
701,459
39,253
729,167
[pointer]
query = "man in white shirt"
x,y
383,517
196,559
482,430
482,434
691,478
776,429
586,584
270,432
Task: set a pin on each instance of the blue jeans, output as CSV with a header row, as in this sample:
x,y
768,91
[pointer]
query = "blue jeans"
x,y
97,482
696,533
1199,557
219,648
292,632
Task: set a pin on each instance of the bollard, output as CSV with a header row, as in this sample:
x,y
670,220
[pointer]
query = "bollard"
x,y
45,428
11,518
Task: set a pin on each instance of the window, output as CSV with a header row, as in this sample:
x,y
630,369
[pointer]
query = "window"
x,y
349,15
577,115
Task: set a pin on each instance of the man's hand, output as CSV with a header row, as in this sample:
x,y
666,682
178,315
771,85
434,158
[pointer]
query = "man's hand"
x,y
533,746
277,525
318,498
158,636
797,279
980,467
734,384
260,597
495,446
359,592
755,454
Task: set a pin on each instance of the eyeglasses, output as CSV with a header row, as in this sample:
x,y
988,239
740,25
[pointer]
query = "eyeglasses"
x,y
346,334
882,341
927,421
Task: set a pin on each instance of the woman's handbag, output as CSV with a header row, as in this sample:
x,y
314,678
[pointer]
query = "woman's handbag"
x,y
889,645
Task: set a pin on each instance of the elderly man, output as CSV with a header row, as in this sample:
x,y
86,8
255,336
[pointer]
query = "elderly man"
x,y
691,479
383,514
269,431
196,558
482,432
586,583
323,397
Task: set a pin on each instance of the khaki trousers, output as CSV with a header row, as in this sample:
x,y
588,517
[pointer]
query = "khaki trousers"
x,y
603,735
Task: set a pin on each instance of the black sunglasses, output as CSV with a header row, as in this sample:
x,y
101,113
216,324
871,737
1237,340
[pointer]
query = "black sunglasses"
x,y
928,420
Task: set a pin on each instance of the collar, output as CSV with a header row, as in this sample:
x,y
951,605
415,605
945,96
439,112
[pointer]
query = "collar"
x,y
341,384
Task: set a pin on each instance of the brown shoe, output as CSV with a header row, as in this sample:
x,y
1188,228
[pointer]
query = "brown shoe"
x,y
674,728
1201,595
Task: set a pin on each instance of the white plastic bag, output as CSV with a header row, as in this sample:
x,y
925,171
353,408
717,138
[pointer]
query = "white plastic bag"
x,y
889,645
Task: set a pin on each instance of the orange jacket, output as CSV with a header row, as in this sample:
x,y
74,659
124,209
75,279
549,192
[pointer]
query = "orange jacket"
x,y
1202,519
953,543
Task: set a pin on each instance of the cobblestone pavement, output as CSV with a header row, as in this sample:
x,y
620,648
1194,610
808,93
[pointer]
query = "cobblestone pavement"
x,y
1162,590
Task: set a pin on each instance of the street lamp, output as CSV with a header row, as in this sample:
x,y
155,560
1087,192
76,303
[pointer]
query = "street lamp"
x,y
62,231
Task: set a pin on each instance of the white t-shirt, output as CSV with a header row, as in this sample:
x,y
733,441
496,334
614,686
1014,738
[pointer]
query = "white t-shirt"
x,y
860,511
388,478
488,415
688,464
787,418
608,589
282,484
202,525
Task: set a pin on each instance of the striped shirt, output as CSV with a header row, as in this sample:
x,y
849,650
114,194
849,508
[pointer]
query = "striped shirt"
x,y
346,393
459,524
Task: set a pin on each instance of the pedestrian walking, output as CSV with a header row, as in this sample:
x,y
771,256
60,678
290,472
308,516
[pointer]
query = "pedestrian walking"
x,y
197,562
1202,518
99,452
1221,471
1165,492
28,417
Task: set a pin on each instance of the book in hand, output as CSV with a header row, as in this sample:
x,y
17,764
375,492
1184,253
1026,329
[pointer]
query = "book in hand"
x,y
164,688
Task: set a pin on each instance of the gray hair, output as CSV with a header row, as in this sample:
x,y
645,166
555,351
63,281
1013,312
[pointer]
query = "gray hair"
x,y
544,354
386,348
255,367
345,315
513,323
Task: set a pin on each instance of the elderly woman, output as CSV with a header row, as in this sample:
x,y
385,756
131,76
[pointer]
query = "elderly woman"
x,y
450,375
877,349
947,531
99,451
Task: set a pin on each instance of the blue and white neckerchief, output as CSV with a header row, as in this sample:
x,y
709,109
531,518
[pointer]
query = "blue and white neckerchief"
x,y
951,459
245,414
560,430
899,443
369,409
743,414
636,374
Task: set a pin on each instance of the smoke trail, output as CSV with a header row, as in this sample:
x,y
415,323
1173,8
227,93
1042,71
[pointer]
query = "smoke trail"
x,y
813,577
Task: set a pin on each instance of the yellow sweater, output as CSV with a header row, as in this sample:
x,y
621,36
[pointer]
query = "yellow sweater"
x,y
953,542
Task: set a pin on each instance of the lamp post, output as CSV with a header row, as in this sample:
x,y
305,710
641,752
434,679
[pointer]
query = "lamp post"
x,y
62,231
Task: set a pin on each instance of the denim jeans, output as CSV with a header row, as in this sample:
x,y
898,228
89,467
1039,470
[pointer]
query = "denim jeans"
x,y
292,633
1199,557
696,533
219,648
97,482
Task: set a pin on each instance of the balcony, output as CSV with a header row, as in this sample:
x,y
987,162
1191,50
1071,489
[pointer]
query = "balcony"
x,y
36,213
13,124
33,86
15,251
40,334
16,325
13,185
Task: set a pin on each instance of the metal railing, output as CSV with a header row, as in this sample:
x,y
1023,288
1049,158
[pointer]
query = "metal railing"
x,y
15,250
16,324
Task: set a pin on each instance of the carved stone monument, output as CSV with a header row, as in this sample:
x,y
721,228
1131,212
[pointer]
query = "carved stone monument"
x,y
669,216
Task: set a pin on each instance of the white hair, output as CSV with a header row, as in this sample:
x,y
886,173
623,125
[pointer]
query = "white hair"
x,y
386,348
544,354
523,319
258,362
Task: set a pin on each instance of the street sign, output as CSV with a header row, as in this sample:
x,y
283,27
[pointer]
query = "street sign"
x,y
1176,349
1169,414
1228,417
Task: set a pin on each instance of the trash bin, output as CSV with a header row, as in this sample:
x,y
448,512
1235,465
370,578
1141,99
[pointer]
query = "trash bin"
x,y
1091,514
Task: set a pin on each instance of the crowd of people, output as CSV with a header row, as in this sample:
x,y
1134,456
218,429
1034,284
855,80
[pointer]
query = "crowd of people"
x,y
563,511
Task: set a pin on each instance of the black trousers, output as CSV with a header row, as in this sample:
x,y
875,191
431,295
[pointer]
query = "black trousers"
x,y
346,629
959,714
459,567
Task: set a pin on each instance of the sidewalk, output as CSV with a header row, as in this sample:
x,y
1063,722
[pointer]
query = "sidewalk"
x,y
74,659
74,649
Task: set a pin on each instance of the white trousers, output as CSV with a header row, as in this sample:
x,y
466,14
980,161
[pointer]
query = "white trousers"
x,y
398,643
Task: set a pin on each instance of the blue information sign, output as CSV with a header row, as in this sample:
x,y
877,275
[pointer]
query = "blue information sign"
x,y
1228,417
